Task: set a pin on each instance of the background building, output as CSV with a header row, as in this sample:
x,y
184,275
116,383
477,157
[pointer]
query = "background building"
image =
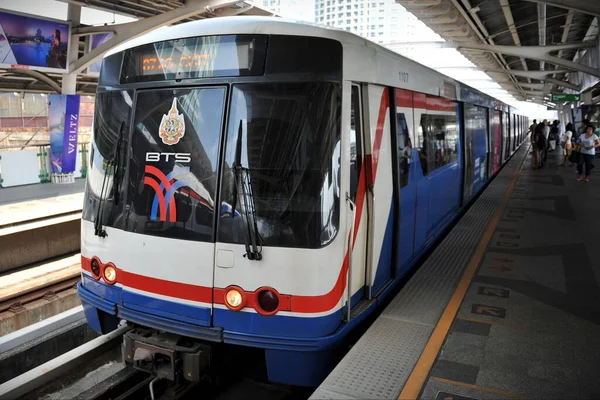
x,y
381,21
303,10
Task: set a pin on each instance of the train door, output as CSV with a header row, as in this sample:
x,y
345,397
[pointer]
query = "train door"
x,y
492,143
421,171
444,174
358,191
405,182
476,149
468,154
505,139
380,188
496,132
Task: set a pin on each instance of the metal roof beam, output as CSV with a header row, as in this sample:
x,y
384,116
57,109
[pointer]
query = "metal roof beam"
x,y
541,7
131,30
584,6
539,75
562,83
510,21
565,33
479,29
540,53
224,12
538,86
39,76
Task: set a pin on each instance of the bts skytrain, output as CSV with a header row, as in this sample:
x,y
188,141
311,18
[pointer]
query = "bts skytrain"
x,y
260,182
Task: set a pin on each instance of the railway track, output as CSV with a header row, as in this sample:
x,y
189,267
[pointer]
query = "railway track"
x,y
94,370
40,291
37,278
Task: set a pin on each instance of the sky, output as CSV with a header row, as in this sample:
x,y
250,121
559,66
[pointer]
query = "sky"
x,y
447,61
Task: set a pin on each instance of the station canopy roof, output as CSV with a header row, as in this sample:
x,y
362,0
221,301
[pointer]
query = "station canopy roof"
x,y
531,48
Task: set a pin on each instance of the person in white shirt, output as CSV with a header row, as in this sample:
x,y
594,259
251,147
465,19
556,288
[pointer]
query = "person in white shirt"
x,y
546,129
567,147
554,135
588,142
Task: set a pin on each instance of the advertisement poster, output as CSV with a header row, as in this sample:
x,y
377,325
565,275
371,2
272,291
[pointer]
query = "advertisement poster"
x,y
95,41
28,42
63,121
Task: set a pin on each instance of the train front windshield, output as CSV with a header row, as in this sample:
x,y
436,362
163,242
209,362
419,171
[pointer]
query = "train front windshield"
x,y
165,161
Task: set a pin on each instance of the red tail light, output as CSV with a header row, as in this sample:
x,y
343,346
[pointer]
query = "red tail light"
x,y
95,265
268,301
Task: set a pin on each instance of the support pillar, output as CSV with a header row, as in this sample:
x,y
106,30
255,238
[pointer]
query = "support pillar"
x,y
69,80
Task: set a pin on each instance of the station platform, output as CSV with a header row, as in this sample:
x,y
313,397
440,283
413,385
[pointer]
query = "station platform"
x,y
26,203
506,306
17,194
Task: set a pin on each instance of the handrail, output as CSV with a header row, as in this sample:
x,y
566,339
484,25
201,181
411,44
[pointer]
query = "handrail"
x,y
350,248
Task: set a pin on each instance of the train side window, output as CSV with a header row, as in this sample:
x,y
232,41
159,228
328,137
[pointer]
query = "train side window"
x,y
404,149
451,138
356,152
441,135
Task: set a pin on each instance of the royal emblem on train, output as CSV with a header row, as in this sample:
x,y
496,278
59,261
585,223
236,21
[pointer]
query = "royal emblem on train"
x,y
172,126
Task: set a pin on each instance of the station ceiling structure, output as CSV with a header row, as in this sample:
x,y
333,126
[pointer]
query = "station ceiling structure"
x,y
151,14
531,48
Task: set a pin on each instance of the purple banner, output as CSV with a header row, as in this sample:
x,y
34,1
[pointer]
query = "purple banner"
x,y
56,123
69,153
63,121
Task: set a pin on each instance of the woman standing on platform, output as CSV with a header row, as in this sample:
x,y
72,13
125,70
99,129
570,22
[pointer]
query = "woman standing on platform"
x,y
588,141
567,147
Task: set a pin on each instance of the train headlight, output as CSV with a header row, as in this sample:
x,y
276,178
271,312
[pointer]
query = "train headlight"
x,y
95,265
234,299
110,274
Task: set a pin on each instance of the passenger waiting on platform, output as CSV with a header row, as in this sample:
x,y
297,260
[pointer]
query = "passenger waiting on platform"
x,y
539,144
554,132
588,141
567,147
547,137
532,135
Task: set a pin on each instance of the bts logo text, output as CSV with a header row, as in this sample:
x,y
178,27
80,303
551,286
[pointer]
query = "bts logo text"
x,y
178,157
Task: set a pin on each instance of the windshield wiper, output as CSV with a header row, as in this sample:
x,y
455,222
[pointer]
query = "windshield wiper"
x,y
114,162
243,194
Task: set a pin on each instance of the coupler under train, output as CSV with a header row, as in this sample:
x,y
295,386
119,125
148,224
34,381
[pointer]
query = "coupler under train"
x,y
166,355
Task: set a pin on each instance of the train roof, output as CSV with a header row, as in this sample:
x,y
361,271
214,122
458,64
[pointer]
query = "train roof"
x,y
282,26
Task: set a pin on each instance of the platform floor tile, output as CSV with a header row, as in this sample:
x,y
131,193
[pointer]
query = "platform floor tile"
x,y
422,301
378,365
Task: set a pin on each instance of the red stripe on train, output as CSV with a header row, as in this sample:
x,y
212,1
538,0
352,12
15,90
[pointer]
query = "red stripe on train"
x,y
409,99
